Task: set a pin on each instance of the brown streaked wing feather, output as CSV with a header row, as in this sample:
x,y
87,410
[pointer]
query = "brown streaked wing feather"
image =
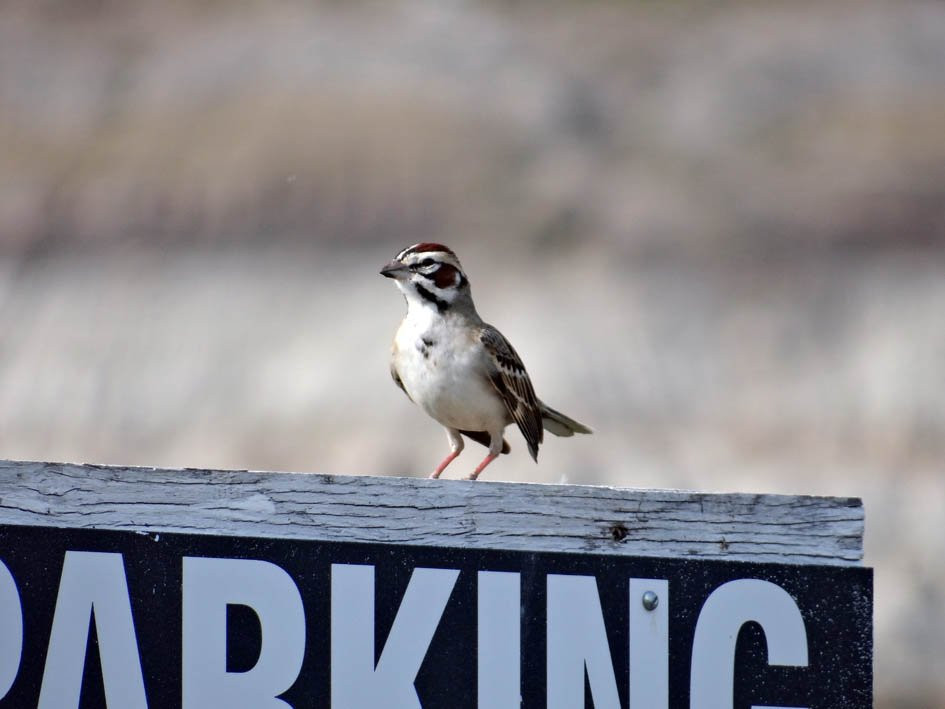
x,y
508,376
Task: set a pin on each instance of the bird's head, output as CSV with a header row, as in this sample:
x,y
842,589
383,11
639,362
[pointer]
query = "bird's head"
x,y
430,275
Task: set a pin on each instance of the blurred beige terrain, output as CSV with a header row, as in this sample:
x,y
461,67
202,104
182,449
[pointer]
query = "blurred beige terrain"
x,y
715,232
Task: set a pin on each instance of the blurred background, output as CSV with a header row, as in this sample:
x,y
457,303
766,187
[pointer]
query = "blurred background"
x,y
715,232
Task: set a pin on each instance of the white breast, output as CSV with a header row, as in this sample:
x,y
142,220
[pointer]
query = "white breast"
x,y
442,369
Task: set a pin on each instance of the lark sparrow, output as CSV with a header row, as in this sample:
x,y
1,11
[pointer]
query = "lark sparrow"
x,y
458,369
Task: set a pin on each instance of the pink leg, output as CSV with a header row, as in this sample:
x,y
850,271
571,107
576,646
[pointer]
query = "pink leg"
x,y
446,461
479,468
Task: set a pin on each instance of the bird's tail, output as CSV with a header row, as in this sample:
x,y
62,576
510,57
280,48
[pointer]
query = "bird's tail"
x,y
559,424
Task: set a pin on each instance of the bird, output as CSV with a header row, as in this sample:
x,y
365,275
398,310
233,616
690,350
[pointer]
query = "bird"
x,y
459,369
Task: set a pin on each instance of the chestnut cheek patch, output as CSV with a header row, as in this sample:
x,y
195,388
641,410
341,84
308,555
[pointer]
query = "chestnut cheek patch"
x,y
447,276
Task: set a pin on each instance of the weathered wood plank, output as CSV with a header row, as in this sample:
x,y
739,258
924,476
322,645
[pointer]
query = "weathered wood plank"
x,y
514,516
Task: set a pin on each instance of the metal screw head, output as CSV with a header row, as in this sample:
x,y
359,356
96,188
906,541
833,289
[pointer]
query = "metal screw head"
x,y
650,600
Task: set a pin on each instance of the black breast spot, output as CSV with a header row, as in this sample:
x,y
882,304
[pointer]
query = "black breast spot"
x,y
424,344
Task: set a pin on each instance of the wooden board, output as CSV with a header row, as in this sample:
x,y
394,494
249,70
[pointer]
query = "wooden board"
x,y
418,511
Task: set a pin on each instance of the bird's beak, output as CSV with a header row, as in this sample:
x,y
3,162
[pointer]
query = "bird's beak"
x,y
393,269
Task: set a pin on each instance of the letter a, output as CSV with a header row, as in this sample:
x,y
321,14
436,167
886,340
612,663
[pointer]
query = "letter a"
x,y
92,582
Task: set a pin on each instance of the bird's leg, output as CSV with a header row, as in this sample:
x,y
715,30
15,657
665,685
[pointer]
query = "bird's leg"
x,y
456,447
495,447
442,466
479,468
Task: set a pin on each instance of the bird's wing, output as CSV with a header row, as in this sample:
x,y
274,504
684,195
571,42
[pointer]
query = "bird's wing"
x,y
508,376
396,377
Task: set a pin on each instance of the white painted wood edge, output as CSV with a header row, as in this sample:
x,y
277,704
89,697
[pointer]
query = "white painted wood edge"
x,y
418,511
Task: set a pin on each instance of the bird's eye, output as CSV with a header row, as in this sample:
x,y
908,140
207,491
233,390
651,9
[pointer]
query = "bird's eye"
x,y
427,262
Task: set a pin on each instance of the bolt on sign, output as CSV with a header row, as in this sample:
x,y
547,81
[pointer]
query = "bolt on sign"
x,y
122,619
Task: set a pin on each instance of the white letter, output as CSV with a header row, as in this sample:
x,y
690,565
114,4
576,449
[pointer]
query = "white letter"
x,y
355,682
500,630
11,639
92,583
726,610
210,585
577,638
649,645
